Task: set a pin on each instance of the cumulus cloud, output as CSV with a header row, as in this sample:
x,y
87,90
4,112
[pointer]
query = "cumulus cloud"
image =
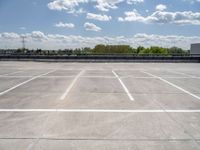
x,y
161,7
91,27
38,39
106,5
10,35
65,25
132,16
38,36
70,6
163,17
98,17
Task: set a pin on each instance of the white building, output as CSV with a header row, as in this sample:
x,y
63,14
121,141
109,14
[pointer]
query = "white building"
x,y
195,49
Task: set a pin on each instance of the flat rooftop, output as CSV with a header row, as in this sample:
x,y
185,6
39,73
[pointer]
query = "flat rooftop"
x,y
101,106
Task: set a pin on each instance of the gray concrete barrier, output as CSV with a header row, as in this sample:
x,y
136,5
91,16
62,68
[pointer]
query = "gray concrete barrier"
x,y
188,59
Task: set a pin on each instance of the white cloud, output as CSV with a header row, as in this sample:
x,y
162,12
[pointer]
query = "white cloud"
x,y
98,17
91,27
132,16
10,35
37,36
70,6
162,17
38,39
106,5
65,25
161,7
134,1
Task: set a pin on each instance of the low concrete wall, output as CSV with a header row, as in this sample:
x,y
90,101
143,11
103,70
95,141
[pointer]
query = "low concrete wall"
x,y
188,59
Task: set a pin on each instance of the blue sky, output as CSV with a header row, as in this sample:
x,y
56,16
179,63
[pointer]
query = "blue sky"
x,y
54,24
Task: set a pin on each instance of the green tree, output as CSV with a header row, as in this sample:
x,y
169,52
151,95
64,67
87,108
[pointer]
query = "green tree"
x,y
177,51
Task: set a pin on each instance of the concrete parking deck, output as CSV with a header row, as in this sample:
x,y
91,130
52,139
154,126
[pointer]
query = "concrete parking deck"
x,y
101,106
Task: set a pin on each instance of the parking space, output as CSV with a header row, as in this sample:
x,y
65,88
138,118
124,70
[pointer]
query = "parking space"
x,y
131,74
189,84
99,106
99,73
168,73
63,73
39,93
192,73
7,82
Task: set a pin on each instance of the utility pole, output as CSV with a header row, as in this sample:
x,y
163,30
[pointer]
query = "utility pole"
x,y
23,42
107,41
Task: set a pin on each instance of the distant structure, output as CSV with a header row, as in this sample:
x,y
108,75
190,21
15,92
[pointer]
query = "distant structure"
x,y
23,42
195,49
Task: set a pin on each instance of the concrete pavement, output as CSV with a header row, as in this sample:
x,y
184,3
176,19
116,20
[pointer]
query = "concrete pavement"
x,y
165,115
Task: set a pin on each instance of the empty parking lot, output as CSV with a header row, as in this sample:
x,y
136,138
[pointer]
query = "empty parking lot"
x,y
99,106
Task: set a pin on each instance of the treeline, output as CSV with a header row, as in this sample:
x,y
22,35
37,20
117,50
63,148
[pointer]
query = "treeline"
x,y
126,49
104,50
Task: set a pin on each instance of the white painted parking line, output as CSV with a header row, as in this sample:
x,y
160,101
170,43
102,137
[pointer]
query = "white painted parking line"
x,y
15,76
124,77
183,77
130,76
38,77
7,74
123,85
14,87
57,77
49,69
71,85
101,110
172,84
177,72
106,77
